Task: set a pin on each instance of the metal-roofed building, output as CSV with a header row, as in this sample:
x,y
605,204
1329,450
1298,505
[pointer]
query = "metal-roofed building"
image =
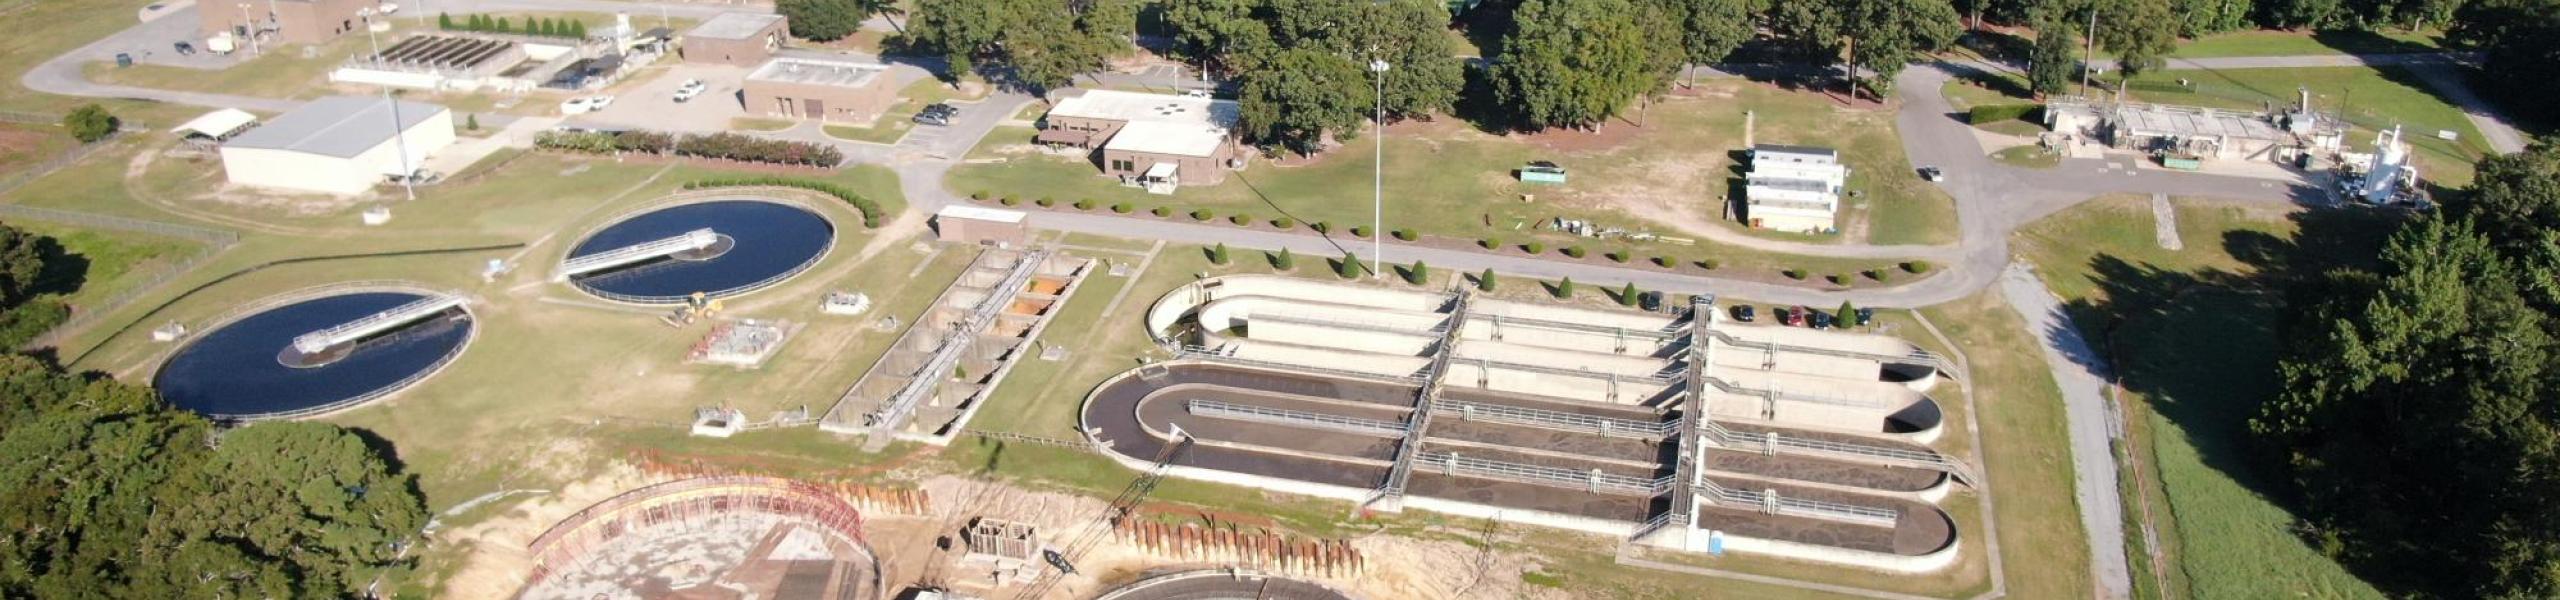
x,y
1794,188
1156,141
2186,131
338,145
736,38
825,90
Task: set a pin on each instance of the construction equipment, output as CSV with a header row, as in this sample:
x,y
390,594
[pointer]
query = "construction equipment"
x,y
1064,559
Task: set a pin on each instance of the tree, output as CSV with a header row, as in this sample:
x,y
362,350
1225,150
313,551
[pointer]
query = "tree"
x,y
1418,274
1575,63
821,20
1044,42
1284,261
444,21
1627,295
1848,314
578,29
1349,267
1564,288
1485,281
2297,14
502,26
1218,254
1298,96
1887,35
2515,198
107,492
1710,29
471,122
90,123
2203,17
2141,33
2519,41
2051,63
1269,45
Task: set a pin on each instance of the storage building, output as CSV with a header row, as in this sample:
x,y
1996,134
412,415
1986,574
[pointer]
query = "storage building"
x,y
1794,188
338,145
736,38
831,91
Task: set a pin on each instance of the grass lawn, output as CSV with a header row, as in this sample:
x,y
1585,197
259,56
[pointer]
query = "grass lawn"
x,y
113,261
23,146
2298,43
2020,410
2029,156
2373,99
2192,334
761,123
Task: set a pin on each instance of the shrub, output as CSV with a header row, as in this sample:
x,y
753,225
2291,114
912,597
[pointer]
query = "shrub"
x,y
471,122
1418,273
1161,211
1124,208
1008,201
1994,113
1284,223
1627,295
1795,274
1406,234
1879,275
1534,247
1241,220
1045,202
1618,256
1321,227
980,195
30,320
1348,267
870,209
1573,251
1708,264
1488,243
748,148
1085,204
89,123
1485,281
1837,279
1202,214
1848,314
1283,260
1218,254
1665,261
1360,231
1562,289
1916,267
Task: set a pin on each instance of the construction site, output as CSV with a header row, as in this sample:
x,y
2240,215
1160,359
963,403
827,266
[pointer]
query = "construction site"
x,y
711,537
1677,429
941,370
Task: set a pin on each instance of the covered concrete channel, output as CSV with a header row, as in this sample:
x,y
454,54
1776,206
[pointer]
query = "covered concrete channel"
x,y
1552,415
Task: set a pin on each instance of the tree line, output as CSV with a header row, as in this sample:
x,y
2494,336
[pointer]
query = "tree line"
x,y
536,26
2420,416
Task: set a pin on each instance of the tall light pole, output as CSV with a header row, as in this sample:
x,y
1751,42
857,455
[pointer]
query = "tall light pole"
x,y
399,137
2089,61
1378,178
250,24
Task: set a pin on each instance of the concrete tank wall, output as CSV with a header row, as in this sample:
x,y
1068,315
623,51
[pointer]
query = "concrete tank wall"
x,y
1168,310
1630,366
1585,316
1319,336
1479,328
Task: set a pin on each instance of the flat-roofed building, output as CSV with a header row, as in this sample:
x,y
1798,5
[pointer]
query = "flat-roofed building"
x,y
2188,131
338,145
831,91
1156,141
1794,188
981,225
736,38
283,21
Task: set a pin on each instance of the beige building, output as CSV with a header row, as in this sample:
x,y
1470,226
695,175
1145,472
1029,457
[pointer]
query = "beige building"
x,y
338,145
736,39
980,225
283,21
836,92
1155,141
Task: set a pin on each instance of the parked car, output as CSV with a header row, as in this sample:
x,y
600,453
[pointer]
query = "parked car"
x,y
1933,173
1791,317
1819,319
1865,316
584,105
184,48
936,114
691,88
1745,313
1650,301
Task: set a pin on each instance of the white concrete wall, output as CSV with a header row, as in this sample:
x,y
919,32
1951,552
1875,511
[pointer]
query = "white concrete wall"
x,y
1551,312
1893,563
1629,366
1318,336
1327,358
1169,309
398,79
296,171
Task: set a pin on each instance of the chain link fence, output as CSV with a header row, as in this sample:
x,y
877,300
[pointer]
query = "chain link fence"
x,y
213,241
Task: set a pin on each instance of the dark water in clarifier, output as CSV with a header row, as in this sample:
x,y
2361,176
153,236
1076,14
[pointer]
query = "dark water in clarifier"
x,y
771,239
233,371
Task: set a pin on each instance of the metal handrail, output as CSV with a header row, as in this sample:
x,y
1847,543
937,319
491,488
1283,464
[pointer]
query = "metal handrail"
x,y
1596,481
1221,355
1353,324
1557,420
1298,418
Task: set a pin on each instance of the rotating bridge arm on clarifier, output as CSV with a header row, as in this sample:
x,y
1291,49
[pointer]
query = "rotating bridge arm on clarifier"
x,y
317,341
685,242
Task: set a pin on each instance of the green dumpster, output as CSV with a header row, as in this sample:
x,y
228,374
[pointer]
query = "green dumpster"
x,y
1542,172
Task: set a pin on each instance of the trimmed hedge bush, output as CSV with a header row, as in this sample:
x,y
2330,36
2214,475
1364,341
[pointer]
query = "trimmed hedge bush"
x,y
1534,247
1124,208
1617,256
1837,279
1488,243
1161,211
1284,223
870,209
1241,220
1573,251
1321,227
1045,202
1085,204
1708,263
1360,231
1008,201
1916,267
980,195
1406,234
1202,215
1665,261
1994,113
1795,274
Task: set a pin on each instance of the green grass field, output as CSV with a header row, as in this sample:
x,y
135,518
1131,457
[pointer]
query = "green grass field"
x,y
115,261
2372,99
2194,338
2300,43
2032,157
1670,174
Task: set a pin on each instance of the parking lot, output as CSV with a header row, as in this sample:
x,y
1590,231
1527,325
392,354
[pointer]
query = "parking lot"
x,y
649,101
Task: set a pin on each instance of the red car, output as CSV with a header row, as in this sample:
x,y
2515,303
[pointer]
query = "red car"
x,y
1791,317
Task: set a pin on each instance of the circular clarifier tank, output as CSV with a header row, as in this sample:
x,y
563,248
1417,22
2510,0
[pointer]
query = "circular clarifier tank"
x,y
717,248
315,355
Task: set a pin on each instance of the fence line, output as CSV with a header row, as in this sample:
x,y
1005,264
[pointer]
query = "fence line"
x,y
214,242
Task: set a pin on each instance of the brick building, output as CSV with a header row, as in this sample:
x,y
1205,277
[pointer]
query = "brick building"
x,y
736,39
831,91
1155,141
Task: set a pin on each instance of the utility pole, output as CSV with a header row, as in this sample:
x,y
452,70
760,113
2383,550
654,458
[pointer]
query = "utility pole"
x,y
1378,179
2089,60
399,137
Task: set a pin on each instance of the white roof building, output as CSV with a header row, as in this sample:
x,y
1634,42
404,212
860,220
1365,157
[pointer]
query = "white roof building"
x,y
338,145
1179,139
218,124
1794,188
1135,107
